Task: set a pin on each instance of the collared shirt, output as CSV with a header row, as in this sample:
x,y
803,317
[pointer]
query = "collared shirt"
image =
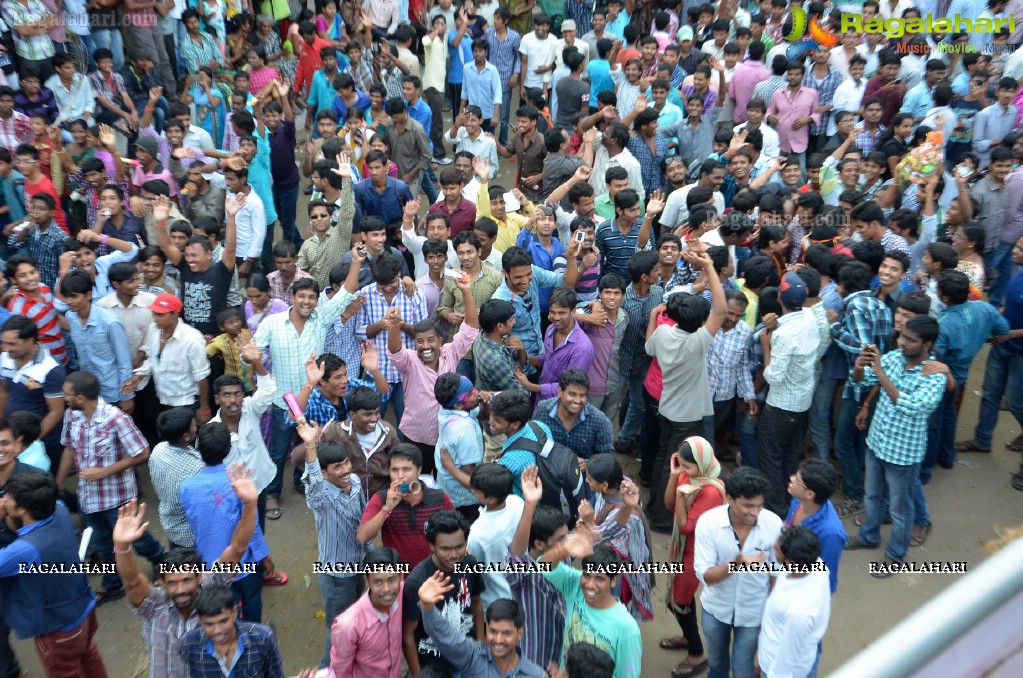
x,y
387,205
616,248
15,130
483,88
337,514
632,356
471,657
918,101
993,201
135,318
650,163
544,607
590,433
74,101
602,162
792,370
482,289
991,124
788,109
482,147
247,446
30,386
542,257
412,311
867,321
102,349
281,290
45,317
964,329
100,442
257,655
737,599
729,364
419,423
178,368
410,148
320,253
527,308
45,104
29,47
605,372
365,642
825,92
504,54
866,141
460,434
898,430
576,351
462,218
169,466
826,524
495,365
765,90
289,348
198,54
1013,228
45,247
747,76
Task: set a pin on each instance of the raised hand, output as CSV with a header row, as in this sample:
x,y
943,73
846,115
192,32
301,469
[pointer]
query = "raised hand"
x,y
241,483
161,209
308,431
630,493
481,166
106,136
656,203
234,206
345,162
314,371
154,94
532,487
582,173
578,544
587,516
589,135
409,286
411,208
251,353
370,356
131,523
433,589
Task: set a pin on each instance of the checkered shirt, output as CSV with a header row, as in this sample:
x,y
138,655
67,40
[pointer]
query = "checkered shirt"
x,y
412,311
867,321
729,368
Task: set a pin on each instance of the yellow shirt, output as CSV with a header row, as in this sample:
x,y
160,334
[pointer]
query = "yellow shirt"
x,y
229,350
508,229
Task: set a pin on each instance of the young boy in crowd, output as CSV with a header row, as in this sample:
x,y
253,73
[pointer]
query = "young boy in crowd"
x,y
375,438
459,441
491,535
497,352
228,345
285,254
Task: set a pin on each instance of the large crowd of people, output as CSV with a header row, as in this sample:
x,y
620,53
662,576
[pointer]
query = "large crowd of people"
x,y
751,271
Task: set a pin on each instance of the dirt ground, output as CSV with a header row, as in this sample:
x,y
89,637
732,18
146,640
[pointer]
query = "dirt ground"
x,y
970,504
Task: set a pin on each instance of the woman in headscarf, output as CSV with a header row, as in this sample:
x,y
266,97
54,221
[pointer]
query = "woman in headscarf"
x,y
694,487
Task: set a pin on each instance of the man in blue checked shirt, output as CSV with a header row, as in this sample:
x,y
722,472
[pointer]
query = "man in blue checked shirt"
x,y
328,382
897,441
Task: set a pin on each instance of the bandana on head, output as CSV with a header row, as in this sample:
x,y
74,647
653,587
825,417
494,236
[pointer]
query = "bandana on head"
x,y
464,389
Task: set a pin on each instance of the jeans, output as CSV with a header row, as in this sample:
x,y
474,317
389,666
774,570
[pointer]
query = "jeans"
x,y
8,662
634,413
102,523
506,98
851,447
435,100
649,437
338,594
1003,375
427,179
747,427
941,436
900,482
672,435
281,435
249,591
112,40
821,430
722,637
780,437
999,269
397,399
72,654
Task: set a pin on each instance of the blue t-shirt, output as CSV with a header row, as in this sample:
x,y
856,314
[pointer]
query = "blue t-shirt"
x,y
599,71
459,56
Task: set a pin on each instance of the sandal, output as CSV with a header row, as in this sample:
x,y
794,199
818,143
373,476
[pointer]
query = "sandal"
x,y
276,579
273,513
860,519
1015,445
685,669
971,446
675,643
1017,481
920,533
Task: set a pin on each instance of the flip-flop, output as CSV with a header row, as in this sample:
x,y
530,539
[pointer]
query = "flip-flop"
x,y
921,538
273,513
971,446
1017,481
278,578
684,669
674,644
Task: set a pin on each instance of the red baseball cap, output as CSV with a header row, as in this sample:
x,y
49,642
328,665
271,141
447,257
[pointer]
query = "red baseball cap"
x,y
166,303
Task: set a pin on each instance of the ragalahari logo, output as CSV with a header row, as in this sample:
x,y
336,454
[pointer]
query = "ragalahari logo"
x,y
819,35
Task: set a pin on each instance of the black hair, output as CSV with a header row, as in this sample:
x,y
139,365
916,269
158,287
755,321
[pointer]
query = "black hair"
x,y
362,398
916,302
870,252
611,281
467,237
406,451
212,600
76,282
563,297
214,443
820,478
25,425
854,277
604,559
494,311
83,384
944,255
173,424
436,246
493,480
446,388
34,491
819,258
385,269
899,256
800,545
585,660
955,285
574,377
514,257
446,521
546,521
746,483
505,609
689,311
25,328
641,263
812,280
332,452
604,468
924,326
513,406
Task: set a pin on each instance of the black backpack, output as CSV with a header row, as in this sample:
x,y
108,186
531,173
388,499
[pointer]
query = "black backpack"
x,y
559,470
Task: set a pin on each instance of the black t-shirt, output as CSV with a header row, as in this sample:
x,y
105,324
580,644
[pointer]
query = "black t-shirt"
x,y
456,607
573,97
204,295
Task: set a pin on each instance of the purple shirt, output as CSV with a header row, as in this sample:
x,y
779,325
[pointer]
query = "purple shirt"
x,y
282,156
602,339
575,351
803,105
744,79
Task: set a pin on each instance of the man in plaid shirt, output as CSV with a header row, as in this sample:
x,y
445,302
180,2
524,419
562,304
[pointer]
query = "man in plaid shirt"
x,y
104,445
897,441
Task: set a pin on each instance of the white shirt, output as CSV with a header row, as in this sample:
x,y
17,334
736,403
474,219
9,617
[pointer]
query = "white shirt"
x,y
795,619
602,161
178,370
840,62
247,446
197,137
911,72
848,97
136,318
792,370
772,144
676,213
738,599
413,242
489,539
482,147
494,260
250,226
538,53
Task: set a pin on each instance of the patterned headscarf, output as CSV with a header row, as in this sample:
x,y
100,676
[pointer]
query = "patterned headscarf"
x,y
464,389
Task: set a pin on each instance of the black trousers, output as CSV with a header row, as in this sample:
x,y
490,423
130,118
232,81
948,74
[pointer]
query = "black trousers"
x,y
780,437
672,435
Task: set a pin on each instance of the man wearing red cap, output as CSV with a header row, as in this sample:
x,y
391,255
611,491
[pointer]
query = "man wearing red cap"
x,y
175,359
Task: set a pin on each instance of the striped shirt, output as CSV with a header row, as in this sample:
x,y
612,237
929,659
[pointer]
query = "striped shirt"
x,y
729,368
544,607
230,352
616,248
412,311
867,321
44,315
825,93
109,437
289,349
632,356
504,54
169,466
256,655
45,247
337,514
28,47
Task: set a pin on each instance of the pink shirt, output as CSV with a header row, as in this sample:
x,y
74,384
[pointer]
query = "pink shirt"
x,y
261,78
740,89
419,423
804,104
365,643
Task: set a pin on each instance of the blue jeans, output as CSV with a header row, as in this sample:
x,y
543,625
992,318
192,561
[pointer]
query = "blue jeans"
x,y
1003,375
505,114
112,40
901,483
999,270
338,594
285,203
941,436
634,415
721,637
397,399
820,417
102,523
851,447
281,435
427,180
249,592
747,428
